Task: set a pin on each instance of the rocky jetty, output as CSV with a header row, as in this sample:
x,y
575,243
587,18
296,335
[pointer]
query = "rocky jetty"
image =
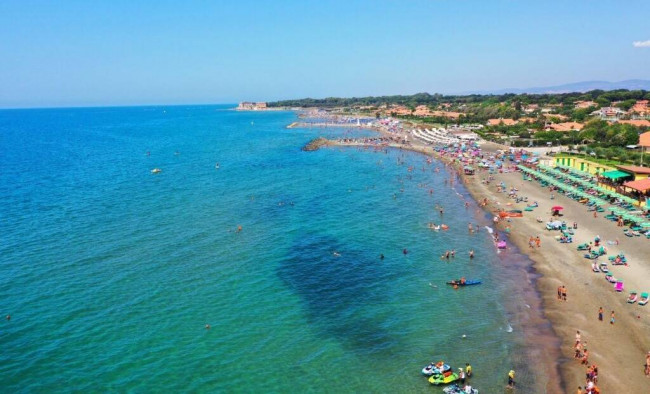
x,y
315,144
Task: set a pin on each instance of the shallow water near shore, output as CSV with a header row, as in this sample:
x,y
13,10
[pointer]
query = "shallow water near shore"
x,y
111,272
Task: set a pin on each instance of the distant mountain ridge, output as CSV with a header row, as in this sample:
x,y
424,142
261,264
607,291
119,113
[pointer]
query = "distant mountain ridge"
x,y
585,86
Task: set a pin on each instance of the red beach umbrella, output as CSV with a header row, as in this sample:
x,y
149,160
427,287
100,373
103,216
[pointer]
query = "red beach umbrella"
x,y
557,208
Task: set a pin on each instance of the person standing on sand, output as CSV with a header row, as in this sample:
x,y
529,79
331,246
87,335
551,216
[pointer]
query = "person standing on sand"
x,y
564,293
559,293
511,379
538,241
647,365
611,320
600,313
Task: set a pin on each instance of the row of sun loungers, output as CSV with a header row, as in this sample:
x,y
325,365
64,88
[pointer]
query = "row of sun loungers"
x,y
434,136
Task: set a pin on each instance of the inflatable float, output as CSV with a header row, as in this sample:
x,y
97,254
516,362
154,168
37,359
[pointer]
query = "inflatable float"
x,y
501,244
456,389
436,369
445,378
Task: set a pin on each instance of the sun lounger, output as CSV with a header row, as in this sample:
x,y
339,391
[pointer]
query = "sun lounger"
x,y
644,299
619,286
603,267
610,278
632,298
583,246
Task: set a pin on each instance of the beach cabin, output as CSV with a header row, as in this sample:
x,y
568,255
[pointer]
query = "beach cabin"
x,y
581,164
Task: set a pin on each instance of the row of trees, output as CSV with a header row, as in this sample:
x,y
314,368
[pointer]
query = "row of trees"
x,y
474,102
595,133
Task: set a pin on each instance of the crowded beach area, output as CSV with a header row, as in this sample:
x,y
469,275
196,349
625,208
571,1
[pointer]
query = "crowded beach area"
x,y
588,242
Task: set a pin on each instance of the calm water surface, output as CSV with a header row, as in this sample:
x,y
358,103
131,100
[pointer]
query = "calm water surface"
x,y
110,272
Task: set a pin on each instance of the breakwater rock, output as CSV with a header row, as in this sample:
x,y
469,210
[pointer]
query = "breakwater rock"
x,y
315,144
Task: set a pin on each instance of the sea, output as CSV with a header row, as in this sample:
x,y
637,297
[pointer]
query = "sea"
x,y
245,264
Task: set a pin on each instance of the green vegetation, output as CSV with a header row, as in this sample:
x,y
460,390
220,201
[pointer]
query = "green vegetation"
x,y
534,113
489,103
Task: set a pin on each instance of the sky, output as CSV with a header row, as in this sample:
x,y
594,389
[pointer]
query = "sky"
x,y
118,52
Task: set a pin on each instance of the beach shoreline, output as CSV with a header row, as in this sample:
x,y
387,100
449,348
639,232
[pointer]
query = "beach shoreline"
x,y
560,264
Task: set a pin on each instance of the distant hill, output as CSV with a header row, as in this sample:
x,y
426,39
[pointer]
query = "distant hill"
x,y
630,84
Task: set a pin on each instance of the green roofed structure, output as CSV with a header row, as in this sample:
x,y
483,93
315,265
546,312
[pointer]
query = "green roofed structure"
x,y
615,174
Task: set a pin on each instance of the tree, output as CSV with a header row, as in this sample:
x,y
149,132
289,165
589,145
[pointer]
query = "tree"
x,y
626,105
609,153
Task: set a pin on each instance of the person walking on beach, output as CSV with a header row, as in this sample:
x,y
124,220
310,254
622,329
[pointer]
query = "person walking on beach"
x,y
600,313
511,379
611,320
538,241
559,293
563,293
577,337
647,365
531,242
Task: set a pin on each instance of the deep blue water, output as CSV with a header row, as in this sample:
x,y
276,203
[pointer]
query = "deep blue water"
x,y
110,273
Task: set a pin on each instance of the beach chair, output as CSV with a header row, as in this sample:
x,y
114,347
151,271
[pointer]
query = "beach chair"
x,y
632,298
619,286
644,299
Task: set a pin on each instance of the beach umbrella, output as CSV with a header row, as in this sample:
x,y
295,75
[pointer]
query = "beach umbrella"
x,y
557,208
613,209
646,224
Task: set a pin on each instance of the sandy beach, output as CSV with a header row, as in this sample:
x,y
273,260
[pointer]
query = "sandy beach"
x,y
617,349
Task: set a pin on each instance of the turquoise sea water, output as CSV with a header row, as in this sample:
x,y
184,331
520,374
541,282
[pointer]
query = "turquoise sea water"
x,y
110,272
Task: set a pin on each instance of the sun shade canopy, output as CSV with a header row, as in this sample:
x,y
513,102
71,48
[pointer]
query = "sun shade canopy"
x,y
615,174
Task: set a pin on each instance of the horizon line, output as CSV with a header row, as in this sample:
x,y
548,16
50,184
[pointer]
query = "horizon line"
x,y
113,106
